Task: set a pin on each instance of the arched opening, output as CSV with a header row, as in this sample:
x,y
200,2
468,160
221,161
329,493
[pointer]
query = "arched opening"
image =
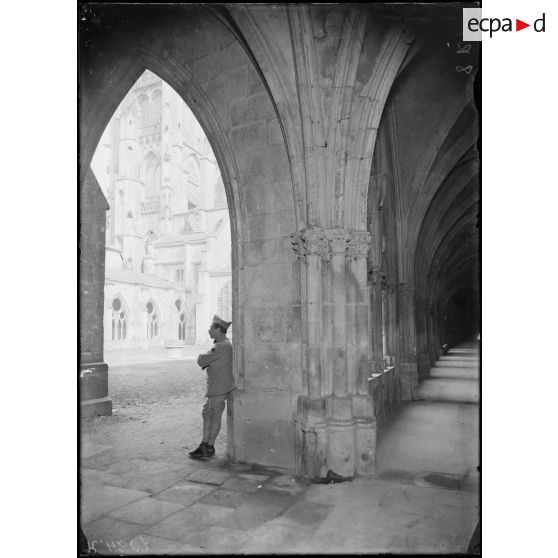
x,y
264,203
168,246
169,219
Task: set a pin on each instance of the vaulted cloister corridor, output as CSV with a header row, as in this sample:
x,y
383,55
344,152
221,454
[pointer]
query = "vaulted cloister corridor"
x,y
434,439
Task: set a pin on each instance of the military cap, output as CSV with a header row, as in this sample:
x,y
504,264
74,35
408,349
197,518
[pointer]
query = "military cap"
x,y
219,321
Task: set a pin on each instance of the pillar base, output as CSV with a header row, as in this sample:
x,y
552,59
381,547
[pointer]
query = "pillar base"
x,y
96,407
337,433
93,390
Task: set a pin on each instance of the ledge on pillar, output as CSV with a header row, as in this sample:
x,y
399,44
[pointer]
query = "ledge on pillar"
x,y
93,388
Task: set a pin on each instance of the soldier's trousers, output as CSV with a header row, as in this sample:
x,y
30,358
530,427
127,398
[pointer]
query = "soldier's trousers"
x,y
212,413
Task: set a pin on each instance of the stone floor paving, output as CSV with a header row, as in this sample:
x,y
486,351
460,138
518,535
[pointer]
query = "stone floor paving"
x,y
151,499
216,508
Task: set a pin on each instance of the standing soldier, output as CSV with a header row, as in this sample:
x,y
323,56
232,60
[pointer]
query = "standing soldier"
x,y
220,383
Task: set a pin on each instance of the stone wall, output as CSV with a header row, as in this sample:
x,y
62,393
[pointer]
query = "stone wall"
x,y
93,381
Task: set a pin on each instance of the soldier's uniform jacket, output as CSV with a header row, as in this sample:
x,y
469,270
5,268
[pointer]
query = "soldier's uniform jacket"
x,y
219,364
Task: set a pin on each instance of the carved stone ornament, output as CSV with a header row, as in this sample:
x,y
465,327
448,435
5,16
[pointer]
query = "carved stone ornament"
x,y
388,288
297,244
310,242
376,275
359,245
339,239
316,243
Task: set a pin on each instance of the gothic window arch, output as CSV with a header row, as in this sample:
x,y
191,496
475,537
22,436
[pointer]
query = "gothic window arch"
x,y
181,319
120,322
151,174
153,323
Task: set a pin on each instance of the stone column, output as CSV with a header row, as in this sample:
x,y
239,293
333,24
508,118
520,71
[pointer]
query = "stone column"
x,y
375,276
407,361
341,290
93,375
421,337
390,322
359,248
363,405
432,342
335,430
311,246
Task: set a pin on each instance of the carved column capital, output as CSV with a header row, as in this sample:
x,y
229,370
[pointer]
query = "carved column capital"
x,y
387,287
359,245
338,240
376,275
297,244
310,242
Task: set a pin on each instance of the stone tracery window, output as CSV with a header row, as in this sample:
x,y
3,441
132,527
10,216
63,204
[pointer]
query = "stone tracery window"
x,y
181,320
119,324
152,320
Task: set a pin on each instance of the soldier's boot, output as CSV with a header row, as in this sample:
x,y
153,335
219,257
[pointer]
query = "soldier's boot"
x,y
200,451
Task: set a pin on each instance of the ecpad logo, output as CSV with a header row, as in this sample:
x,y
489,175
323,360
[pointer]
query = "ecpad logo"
x,y
474,25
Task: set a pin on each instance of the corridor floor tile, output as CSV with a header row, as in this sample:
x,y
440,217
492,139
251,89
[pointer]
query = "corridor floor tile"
x,y
250,515
293,490
219,540
278,539
327,494
147,511
99,499
182,525
92,476
156,546
110,530
153,476
305,514
124,466
89,450
253,477
241,484
209,476
223,497
185,492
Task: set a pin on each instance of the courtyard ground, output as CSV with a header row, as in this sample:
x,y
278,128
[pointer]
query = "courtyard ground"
x,y
157,402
